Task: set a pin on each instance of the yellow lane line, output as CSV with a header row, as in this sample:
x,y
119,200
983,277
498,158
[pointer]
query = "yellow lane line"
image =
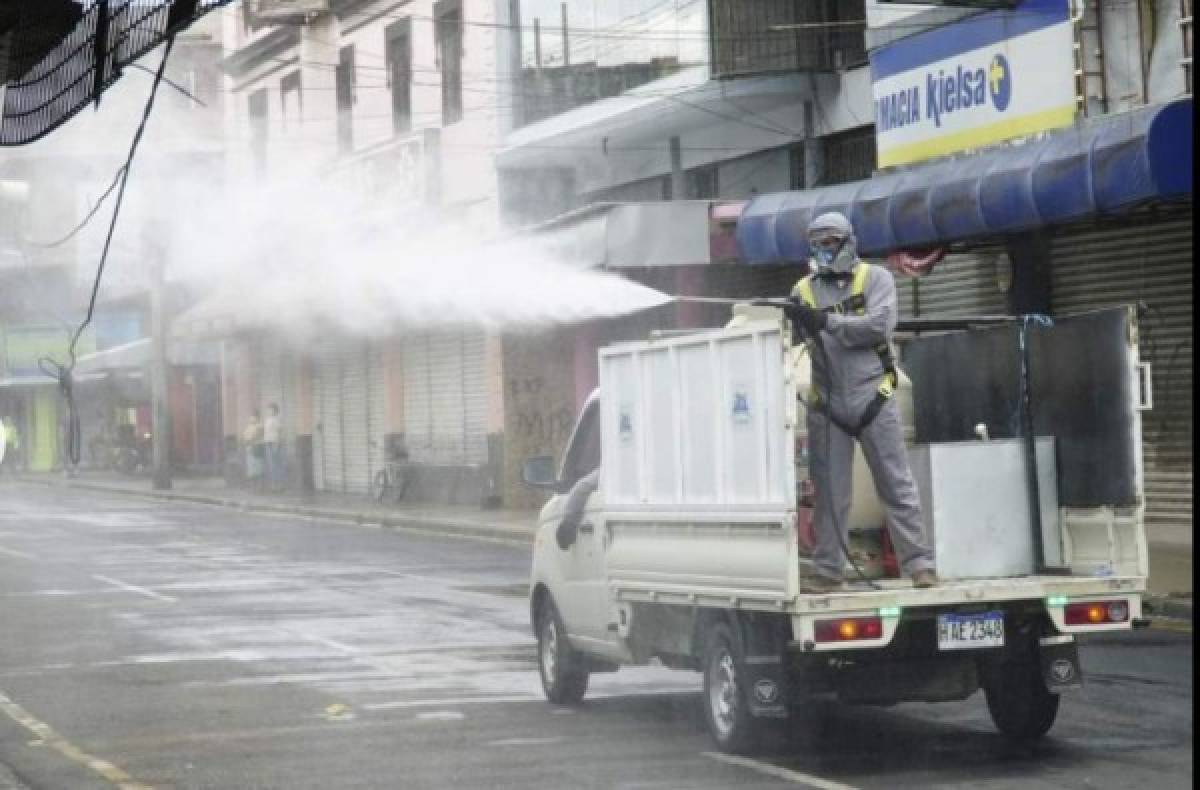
x,y
112,773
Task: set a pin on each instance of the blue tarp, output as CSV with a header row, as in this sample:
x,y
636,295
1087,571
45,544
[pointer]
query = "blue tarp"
x,y
1101,166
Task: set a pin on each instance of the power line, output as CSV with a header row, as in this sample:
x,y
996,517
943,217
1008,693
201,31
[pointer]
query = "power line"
x,y
64,373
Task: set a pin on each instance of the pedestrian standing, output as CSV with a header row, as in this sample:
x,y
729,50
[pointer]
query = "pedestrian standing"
x,y
273,444
252,443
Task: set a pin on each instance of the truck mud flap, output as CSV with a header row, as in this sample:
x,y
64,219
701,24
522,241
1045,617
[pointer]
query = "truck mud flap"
x,y
766,687
763,646
1059,658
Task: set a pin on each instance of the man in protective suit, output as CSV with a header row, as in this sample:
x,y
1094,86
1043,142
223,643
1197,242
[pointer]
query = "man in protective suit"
x,y
849,307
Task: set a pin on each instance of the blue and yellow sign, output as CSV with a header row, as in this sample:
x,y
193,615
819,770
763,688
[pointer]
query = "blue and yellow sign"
x,y
978,81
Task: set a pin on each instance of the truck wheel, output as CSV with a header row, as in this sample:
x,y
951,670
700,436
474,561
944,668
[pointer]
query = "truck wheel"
x,y
1021,707
564,679
730,724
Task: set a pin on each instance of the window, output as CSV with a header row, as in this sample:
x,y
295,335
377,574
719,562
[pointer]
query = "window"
x,y
796,167
291,98
449,31
398,51
344,89
702,182
785,35
256,108
849,155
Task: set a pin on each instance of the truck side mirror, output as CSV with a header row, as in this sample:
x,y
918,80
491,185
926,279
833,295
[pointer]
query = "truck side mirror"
x,y
539,472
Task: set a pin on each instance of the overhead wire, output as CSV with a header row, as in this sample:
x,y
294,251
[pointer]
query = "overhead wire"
x,y
63,373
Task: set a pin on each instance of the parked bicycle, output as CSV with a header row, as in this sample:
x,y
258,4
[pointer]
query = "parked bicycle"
x,y
391,483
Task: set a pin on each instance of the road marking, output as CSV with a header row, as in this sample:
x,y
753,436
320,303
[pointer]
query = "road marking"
x,y
18,554
133,588
433,703
46,734
779,772
525,741
318,640
441,715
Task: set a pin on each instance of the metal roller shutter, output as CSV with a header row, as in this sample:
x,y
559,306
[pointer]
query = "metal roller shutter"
x,y
376,409
445,398
474,385
356,439
418,398
448,439
960,284
318,450
328,368
1150,263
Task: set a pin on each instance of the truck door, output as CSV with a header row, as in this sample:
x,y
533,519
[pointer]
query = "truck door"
x,y
585,606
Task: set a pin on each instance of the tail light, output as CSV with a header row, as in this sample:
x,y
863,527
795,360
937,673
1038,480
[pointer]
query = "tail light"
x,y
1096,612
848,629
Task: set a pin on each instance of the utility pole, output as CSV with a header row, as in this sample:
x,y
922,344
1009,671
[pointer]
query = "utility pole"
x,y
159,406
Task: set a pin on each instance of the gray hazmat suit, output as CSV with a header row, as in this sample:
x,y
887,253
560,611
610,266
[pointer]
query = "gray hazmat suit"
x,y
855,372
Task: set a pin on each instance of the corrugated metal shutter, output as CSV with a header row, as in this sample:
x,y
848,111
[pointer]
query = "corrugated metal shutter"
x,y
318,438
1150,263
356,439
474,355
376,408
445,398
328,367
960,284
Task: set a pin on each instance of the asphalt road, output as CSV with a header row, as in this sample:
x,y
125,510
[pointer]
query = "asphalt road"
x,y
145,644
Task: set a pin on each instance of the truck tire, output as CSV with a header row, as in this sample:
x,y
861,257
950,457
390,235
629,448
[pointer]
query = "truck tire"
x,y
564,678
1017,699
726,711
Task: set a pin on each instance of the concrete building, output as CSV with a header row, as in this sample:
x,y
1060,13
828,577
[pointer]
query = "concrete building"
x,y
374,98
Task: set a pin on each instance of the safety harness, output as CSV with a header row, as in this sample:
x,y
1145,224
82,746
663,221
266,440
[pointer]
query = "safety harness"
x,y
855,303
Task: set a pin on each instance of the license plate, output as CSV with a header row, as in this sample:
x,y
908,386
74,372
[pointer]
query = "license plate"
x,y
966,631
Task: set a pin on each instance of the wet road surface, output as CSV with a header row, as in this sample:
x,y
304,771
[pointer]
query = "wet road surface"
x,y
145,644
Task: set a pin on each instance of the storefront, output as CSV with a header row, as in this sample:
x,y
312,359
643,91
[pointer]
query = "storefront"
x,y
1082,218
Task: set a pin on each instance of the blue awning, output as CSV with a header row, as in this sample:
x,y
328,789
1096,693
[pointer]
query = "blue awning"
x,y
1100,166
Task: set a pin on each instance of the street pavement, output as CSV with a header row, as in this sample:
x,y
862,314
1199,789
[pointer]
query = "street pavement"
x,y
1169,587
178,644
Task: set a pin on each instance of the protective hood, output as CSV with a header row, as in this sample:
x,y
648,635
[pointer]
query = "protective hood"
x,y
835,223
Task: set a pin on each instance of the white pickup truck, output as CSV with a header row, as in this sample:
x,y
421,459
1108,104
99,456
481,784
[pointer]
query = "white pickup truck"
x,y
691,549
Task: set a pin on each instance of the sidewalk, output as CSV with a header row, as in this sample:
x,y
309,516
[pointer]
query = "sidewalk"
x,y
496,524
1169,589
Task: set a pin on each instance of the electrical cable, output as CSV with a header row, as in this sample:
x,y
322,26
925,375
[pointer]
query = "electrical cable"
x,y
172,83
87,218
64,374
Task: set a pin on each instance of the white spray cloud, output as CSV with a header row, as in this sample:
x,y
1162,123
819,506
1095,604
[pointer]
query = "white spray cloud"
x,y
305,255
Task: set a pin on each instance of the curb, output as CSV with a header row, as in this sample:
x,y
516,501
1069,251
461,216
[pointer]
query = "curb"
x,y
431,525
